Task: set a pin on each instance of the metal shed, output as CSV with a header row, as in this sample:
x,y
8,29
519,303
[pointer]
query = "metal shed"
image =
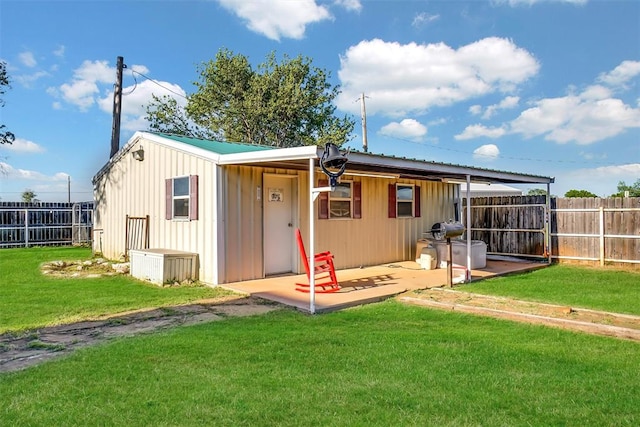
x,y
237,205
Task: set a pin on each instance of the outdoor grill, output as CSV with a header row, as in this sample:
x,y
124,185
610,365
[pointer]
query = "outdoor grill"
x,y
447,230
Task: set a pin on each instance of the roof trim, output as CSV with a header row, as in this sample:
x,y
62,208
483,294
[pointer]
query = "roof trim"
x,y
358,161
275,155
413,168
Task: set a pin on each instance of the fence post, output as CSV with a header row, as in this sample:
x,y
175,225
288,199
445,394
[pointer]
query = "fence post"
x,y
547,226
26,228
601,216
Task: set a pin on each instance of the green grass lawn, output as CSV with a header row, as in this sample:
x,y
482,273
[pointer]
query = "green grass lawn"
x,y
30,300
577,286
384,364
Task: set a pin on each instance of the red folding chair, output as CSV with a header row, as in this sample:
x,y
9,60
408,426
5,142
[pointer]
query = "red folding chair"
x,y
324,272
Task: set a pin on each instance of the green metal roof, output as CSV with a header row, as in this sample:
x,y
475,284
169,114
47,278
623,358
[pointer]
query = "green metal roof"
x,y
218,147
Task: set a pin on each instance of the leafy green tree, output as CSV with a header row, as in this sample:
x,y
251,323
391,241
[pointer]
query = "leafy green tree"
x,y
28,196
536,192
281,104
6,137
579,193
634,189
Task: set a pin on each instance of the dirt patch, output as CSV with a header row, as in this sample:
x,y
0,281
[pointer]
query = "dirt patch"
x,y
20,351
577,319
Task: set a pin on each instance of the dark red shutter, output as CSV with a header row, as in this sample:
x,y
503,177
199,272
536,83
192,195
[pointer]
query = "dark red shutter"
x,y
357,200
392,201
416,201
168,197
323,201
193,197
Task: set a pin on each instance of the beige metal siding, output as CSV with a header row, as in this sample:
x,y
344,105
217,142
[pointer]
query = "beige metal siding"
x,y
235,224
137,188
376,238
243,221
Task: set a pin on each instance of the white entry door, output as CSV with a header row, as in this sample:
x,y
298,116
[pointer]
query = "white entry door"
x,y
280,203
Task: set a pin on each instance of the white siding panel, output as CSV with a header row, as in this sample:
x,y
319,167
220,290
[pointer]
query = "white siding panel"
x,y
137,188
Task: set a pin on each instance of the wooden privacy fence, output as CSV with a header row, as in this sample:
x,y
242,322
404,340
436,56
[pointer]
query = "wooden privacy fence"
x,y
592,229
511,225
43,224
585,229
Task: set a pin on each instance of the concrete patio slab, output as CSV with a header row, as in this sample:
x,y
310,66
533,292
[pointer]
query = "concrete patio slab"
x,y
369,284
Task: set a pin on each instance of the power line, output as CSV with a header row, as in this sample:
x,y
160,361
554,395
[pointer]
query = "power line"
x,y
499,155
157,83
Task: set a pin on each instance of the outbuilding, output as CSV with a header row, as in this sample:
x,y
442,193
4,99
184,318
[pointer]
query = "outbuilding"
x,y
236,206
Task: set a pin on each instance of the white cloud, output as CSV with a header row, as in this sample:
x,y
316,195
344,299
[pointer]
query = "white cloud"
x,y
95,71
21,145
477,131
59,52
83,90
506,104
27,80
278,18
29,175
401,79
27,59
602,181
591,156
486,152
350,5
532,2
475,110
80,93
407,128
136,98
583,118
422,19
621,74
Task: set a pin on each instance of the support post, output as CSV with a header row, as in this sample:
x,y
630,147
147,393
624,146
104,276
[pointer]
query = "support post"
x,y
312,261
467,277
548,225
26,228
601,220
449,264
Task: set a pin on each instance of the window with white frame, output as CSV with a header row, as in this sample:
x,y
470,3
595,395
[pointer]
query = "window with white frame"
x,y
404,199
182,197
344,202
340,201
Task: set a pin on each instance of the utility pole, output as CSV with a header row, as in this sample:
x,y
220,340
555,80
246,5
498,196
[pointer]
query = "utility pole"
x,y
363,112
68,189
117,108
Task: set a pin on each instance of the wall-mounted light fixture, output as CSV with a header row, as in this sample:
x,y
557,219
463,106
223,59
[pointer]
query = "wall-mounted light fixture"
x,y
138,154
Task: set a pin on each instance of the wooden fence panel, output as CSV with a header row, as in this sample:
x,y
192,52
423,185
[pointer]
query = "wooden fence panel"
x,y
587,229
509,224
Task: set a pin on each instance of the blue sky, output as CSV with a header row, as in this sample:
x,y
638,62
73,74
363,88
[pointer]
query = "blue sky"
x,y
549,87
